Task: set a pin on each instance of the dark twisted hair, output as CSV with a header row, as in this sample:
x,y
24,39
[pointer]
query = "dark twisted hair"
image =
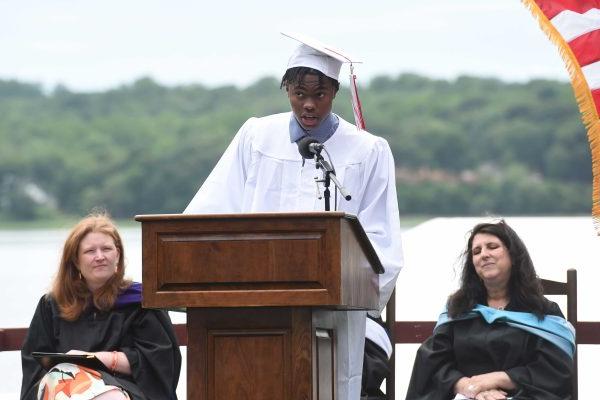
x,y
296,75
524,286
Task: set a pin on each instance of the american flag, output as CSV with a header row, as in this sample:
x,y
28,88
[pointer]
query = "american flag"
x,y
574,26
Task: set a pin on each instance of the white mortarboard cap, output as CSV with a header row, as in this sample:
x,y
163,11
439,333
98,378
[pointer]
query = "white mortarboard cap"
x,y
327,59
314,54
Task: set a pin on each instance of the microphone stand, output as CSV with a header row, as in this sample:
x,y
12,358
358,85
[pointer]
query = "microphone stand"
x,y
328,176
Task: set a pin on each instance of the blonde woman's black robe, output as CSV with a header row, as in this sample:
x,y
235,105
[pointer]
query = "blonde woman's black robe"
x,y
146,336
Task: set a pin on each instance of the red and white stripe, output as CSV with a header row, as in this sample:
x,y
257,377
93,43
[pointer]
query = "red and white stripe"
x,y
574,26
578,22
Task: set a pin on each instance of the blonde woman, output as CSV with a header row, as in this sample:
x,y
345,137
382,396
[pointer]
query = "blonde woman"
x,y
93,309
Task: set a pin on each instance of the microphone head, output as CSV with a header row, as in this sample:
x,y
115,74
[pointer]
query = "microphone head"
x,y
304,147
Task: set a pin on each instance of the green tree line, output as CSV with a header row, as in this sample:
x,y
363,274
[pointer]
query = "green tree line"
x,y
462,147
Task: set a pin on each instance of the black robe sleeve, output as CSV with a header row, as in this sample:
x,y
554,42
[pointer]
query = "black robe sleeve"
x,y
39,338
434,370
154,355
546,376
548,372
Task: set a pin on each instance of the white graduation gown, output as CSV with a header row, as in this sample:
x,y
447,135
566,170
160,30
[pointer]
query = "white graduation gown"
x,y
261,171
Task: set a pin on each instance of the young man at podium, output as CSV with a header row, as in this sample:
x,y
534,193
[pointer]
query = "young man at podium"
x,y
262,171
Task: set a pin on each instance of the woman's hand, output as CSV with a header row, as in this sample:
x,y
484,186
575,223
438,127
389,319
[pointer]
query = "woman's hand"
x,y
493,394
490,386
492,380
115,361
466,387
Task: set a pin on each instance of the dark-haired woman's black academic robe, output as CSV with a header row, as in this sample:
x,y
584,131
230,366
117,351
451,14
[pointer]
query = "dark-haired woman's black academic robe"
x,y
146,337
540,369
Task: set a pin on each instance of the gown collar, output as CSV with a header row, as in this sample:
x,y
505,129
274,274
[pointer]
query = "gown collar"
x,y
324,131
553,328
131,295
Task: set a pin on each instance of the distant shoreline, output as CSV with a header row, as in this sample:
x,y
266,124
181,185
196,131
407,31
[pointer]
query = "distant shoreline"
x,y
58,223
408,221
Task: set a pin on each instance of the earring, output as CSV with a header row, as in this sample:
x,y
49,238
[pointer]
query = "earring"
x,y
80,277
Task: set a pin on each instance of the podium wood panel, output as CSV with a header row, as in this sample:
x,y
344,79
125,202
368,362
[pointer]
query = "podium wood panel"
x,y
249,260
240,363
287,257
250,353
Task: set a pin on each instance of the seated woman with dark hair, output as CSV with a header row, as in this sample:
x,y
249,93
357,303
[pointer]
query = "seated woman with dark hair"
x,y
500,337
92,309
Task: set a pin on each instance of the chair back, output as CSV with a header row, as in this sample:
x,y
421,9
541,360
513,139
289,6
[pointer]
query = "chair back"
x,y
569,289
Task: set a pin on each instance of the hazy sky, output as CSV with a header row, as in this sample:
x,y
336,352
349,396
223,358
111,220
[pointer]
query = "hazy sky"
x,y
94,45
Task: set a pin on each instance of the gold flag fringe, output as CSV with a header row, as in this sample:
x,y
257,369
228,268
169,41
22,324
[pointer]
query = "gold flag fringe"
x,y
584,99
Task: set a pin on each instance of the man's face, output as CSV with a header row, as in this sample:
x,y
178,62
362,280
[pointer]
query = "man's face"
x,y
311,100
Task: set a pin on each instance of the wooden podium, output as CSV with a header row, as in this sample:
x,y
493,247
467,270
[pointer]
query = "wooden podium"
x,y
252,285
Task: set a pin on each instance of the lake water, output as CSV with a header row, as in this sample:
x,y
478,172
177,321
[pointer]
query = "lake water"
x,y
29,259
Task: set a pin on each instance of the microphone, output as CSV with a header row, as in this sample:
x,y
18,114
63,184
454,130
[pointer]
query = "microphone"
x,y
308,147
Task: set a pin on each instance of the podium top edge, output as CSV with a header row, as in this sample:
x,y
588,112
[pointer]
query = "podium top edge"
x,y
350,219
308,214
